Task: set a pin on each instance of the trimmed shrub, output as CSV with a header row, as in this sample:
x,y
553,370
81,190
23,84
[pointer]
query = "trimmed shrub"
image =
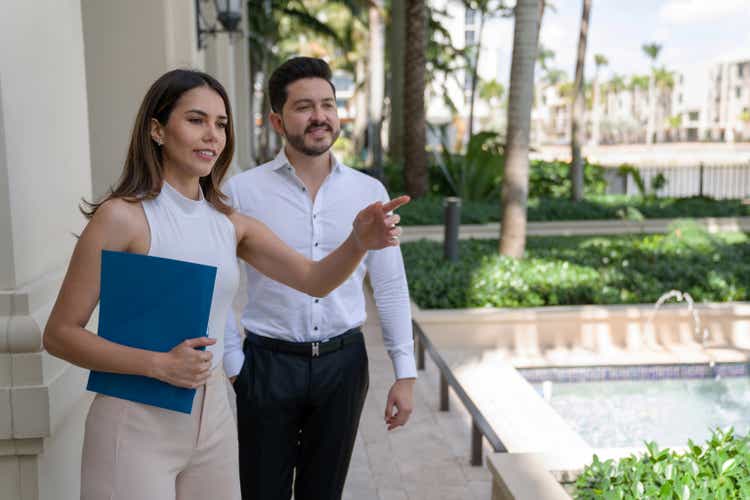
x,y
717,471
581,270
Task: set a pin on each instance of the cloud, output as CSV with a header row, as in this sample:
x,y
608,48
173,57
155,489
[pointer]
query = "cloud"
x,y
699,11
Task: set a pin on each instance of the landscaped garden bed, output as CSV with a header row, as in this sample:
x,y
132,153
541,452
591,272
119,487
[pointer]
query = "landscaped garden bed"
x,y
718,470
580,270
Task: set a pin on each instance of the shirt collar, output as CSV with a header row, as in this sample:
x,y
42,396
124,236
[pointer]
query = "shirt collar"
x,y
282,161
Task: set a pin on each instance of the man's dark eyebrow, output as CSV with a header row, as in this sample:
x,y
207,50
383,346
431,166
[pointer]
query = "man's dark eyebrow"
x,y
307,100
203,113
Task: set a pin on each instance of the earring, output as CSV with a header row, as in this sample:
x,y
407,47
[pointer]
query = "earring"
x,y
159,143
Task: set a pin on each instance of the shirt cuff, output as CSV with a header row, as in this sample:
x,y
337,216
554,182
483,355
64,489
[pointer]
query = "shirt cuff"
x,y
404,365
233,363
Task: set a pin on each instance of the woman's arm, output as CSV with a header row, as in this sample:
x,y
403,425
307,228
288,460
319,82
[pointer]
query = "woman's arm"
x,y
120,226
373,229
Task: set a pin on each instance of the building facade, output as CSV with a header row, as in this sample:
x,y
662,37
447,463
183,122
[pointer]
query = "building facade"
x,y
72,74
728,102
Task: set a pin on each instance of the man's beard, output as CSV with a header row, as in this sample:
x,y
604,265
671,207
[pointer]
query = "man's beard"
x,y
297,141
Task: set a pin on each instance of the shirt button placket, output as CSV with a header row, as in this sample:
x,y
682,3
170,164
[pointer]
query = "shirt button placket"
x,y
317,251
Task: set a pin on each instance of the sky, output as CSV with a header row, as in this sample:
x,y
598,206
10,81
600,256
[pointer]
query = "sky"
x,y
694,35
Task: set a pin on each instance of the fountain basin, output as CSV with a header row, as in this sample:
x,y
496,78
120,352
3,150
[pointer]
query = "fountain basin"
x,y
595,335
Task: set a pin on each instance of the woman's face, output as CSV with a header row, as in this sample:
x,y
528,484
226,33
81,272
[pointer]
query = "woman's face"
x,y
195,134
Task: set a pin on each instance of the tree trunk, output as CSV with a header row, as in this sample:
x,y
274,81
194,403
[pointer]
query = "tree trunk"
x,y
651,124
398,45
251,128
596,117
359,130
516,177
264,148
376,81
415,157
577,125
474,75
542,7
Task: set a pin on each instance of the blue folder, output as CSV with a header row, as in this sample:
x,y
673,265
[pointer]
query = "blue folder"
x,y
151,303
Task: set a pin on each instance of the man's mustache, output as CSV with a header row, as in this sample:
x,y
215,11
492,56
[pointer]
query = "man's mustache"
x,y
316,125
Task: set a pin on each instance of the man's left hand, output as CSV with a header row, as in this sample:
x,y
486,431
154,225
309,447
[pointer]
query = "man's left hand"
x,y
400,399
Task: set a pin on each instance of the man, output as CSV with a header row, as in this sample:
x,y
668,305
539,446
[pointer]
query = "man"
x,y
301,374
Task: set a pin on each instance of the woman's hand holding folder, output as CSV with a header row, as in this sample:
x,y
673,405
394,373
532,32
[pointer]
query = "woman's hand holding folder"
x,y
185,365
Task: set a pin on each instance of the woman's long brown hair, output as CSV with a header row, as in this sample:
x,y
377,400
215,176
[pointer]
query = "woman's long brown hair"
x,y
143,173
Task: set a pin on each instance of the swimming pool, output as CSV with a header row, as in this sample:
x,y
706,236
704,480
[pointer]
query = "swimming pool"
x,y
626,413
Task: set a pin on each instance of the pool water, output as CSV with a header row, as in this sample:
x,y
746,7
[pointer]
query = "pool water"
x,y
627,413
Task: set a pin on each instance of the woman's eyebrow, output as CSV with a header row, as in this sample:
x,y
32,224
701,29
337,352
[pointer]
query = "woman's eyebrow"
x,y
203,113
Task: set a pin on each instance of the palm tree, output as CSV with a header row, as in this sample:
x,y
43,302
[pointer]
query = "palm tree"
x,y
415,157
577,128
555,76
599,61
491,90
515,185
675,122
664,81
396,59
652,51
376,86
543,55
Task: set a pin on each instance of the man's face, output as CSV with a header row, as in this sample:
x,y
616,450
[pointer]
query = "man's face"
x,y
309,119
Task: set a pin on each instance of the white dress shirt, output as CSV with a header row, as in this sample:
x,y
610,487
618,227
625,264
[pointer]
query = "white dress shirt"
x,y
273,194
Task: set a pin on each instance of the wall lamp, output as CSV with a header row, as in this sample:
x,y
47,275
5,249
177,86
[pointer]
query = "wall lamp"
x,y
228,17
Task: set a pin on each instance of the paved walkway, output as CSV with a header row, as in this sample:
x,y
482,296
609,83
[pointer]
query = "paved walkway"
x,y
426,459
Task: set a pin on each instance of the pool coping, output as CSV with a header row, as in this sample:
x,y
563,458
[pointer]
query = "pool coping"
x,y
651,371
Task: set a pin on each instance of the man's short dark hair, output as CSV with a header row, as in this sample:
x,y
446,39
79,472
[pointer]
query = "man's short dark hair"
x,y
292,70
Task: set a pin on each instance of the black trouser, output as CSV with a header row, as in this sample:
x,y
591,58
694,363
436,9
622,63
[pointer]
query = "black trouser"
x,y
298,411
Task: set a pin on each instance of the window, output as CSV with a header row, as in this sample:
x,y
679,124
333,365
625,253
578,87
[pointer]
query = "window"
x,y
469,37
679,98
738,92
740,68
470,17
693,116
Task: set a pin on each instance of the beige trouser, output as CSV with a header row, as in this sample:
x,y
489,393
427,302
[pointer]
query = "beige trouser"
x,y
135,451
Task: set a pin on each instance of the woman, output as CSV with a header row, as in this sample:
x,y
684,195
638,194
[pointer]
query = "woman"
x,y
168,204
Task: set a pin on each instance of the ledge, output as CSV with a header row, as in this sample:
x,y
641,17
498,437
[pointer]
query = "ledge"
x,y
523,476
571,228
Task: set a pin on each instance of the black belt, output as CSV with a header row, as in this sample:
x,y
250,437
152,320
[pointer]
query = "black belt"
x,y
307,349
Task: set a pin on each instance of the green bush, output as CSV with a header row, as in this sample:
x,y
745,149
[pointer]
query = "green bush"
x,y
717,471
551,179
428,210
477,174
579,270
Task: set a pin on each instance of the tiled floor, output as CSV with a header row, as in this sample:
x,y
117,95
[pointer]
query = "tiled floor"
x,y
426,459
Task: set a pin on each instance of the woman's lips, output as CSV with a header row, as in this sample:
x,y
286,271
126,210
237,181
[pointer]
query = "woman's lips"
x,y
205,154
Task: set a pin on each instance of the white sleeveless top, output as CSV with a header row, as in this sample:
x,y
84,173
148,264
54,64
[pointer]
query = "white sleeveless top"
x,y
194,231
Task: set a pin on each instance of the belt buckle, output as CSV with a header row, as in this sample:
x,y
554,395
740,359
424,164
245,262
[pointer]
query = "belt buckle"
x,y
315,349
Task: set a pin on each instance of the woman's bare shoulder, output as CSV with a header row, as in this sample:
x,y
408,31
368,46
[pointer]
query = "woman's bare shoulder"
x,y
122,222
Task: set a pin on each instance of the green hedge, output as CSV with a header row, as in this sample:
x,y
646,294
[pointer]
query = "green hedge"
x,y
429,210
582,270
719,470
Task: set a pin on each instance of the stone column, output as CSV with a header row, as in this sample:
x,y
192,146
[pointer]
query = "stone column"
x,y
72,74
44,171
